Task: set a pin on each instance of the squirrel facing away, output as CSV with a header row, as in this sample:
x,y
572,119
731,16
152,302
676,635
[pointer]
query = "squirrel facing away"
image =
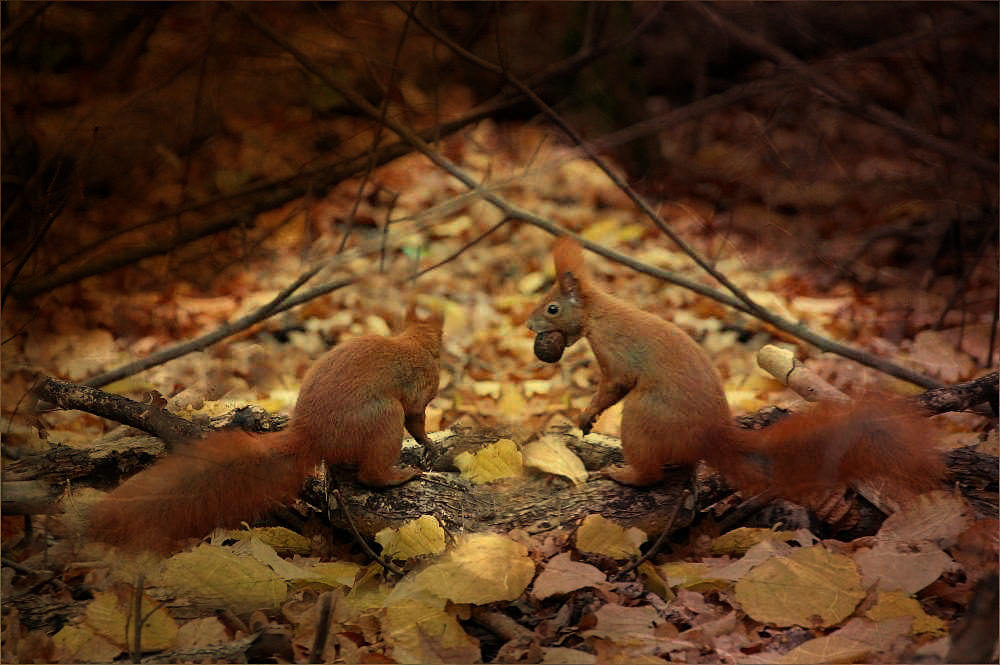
x,y
675,409
352,408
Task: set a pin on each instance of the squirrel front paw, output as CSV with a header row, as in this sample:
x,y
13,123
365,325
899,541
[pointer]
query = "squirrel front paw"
x,y
587,423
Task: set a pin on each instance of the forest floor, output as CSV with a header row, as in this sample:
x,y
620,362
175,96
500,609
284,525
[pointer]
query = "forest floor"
x,y
820,216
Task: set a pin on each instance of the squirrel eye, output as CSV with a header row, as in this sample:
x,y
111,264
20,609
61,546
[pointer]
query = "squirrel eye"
x,y
553,308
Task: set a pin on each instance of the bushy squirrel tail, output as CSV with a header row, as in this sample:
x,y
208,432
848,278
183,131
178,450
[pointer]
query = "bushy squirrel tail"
x,y
876,438
219,480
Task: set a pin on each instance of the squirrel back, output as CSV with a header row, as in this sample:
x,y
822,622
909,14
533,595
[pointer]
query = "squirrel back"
x,y
354,404
357,398
675,409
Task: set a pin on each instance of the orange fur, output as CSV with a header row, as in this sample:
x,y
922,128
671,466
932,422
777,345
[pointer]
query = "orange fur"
x,y
354,404
216,481
675,409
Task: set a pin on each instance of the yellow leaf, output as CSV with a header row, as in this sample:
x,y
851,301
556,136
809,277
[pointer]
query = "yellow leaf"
x,y
112,617
685,574
531,283
278,537
484,568
808,587
211,575
654,582
738,541
566,656
534,387
501,459
416,633
80,644
829,649
260,551
551,455
599,535
487,389
336,573
418,537
895,604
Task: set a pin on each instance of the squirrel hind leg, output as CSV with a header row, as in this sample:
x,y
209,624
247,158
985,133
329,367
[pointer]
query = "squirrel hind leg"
x,y
634,475
381,477
642,465
383,441
647,446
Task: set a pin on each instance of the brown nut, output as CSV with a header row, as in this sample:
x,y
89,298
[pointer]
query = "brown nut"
x,y
549,346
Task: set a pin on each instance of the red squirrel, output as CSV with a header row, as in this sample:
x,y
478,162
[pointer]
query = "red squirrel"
x,y
675,409
352,408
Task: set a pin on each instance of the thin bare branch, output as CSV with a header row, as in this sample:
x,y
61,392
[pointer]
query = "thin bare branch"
x,y
275,193
458,252
736,94
796,329
601,163
377,138
853,103
28,14
279,303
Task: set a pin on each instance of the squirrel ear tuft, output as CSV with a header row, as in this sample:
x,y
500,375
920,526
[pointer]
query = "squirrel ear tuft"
x,y
571,271
568,255
423,313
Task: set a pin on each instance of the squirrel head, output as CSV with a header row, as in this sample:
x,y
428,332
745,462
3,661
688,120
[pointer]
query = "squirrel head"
x,y
560,320
429,320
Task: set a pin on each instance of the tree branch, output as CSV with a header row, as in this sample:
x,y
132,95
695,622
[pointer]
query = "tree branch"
x,y
279,303
796,329
852,102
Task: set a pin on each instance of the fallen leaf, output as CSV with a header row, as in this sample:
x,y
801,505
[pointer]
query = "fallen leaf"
x,y
201,633
937,517
565,656
809,587
500,459
616,622
416,633
484,568
260,551
336,573
895,604
418,537
738,541
598,535
112,618
901,567
551,455
80,644
933,351
562,575
511,404
215,576
856,642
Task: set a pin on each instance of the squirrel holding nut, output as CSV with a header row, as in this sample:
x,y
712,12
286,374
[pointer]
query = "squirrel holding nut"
x,y
353,406
675,409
